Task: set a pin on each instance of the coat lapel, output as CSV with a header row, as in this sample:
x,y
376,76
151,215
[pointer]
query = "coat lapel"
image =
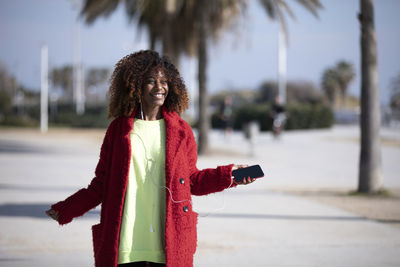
x,y
174,136
123,152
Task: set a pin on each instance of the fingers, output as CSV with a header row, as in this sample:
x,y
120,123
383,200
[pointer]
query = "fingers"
x,y
239,166
247,180
52,213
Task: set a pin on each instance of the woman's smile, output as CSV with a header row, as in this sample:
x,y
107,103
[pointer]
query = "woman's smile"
x,y
155,91
157,95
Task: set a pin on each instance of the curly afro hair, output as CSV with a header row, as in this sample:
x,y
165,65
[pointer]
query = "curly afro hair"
x,y
127,82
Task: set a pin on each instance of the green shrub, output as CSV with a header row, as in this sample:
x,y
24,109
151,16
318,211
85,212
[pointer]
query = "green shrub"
x,y
5,102
305,116
216,122
95,116
19,121
254,112
309,116
28,116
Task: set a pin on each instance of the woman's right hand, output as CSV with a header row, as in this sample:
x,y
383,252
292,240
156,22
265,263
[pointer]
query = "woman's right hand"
x,y
247,180
52,213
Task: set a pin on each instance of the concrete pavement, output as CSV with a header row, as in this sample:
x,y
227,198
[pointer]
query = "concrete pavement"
x,y
248,225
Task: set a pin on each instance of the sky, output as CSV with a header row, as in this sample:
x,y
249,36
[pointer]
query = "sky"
x,y
240,59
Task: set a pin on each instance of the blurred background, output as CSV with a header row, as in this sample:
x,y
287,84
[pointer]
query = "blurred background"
x,y
271,82
323,49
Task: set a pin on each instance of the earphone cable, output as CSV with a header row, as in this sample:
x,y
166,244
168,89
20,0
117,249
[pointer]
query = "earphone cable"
x,y
169,190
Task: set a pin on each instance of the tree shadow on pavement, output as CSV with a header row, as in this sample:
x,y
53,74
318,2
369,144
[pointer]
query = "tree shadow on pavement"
x,y
21,147
33,187
35,210
296,217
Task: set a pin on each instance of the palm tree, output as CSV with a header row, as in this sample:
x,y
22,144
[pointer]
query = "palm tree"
x,y
211,18
395,93
335,82
155,16
62,77
345,74
183,27
277,9
197,21
370,170
330,85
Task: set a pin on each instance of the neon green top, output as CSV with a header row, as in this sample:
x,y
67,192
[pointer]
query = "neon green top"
x,y
142,234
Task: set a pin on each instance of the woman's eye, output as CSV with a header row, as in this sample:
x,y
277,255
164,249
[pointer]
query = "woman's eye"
x,y
150,82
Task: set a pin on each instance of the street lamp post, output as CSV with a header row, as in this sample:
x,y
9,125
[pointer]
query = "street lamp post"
x,y
44,89
78,92
282,61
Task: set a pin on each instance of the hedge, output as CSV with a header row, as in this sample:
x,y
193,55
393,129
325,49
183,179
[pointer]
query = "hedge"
x,y
95,116
306,116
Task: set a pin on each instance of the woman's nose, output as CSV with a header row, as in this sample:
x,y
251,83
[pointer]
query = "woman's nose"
x,y
159,84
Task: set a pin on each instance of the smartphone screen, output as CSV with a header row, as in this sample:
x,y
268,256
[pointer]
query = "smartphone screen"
x,y
254,171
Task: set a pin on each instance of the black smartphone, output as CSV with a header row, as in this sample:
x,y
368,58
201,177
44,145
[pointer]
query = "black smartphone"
x,y
254,171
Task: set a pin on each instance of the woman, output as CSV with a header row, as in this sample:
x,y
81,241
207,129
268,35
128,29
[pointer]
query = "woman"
x,y
146,172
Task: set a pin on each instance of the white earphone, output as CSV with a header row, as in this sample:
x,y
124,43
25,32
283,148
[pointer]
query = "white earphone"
x,y
162,186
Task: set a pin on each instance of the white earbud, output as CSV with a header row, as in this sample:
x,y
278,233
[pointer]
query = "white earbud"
x,y
141,111
169,191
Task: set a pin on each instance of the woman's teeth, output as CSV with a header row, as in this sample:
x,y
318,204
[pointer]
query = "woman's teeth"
x,y
158,95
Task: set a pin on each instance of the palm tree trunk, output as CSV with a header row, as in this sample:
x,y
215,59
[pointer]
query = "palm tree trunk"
x,y
370,174
170,51
168,45
203,123
152,40
343,96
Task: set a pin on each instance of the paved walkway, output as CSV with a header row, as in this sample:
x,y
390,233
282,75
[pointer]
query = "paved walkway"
x,y
248,225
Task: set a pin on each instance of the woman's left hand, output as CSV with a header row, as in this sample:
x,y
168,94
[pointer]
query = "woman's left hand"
x,y
247,180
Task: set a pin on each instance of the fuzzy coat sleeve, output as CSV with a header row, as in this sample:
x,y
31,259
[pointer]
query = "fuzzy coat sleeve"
x,y
210,180
87,198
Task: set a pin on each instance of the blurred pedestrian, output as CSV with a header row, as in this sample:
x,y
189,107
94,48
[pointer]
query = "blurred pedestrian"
x,y
226,115
147,171
278,113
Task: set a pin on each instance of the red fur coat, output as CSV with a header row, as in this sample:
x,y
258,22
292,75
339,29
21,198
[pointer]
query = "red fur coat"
x,y
109,185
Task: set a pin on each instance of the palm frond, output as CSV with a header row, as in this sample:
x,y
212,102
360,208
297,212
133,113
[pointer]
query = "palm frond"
x,y
279,9
311,5
92,9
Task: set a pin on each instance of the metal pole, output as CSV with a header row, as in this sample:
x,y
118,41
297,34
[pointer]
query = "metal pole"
x,y
80,103
78,92
44,90
193,107
282,43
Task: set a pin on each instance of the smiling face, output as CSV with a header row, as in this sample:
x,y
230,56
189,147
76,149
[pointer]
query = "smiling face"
x,y
155,91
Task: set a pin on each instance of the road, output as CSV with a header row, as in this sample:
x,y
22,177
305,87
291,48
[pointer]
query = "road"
x,y
249,225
